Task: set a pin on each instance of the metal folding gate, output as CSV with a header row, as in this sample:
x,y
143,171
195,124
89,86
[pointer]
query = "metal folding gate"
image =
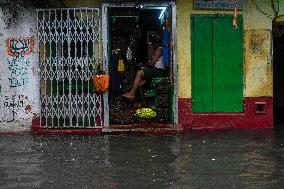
x,y
69,46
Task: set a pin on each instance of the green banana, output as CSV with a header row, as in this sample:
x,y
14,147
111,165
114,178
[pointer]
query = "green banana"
x,y
145,113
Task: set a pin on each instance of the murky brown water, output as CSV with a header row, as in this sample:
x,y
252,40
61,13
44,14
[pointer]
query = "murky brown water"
x,y
219,159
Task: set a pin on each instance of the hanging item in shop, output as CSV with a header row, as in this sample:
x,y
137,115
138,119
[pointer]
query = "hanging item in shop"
x,y
235,19
101,82
120,66
129,54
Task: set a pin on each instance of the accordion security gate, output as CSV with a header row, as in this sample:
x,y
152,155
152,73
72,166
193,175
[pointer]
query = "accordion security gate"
x,y
69,46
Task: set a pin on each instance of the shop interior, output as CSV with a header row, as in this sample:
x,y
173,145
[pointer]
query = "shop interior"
x,y
278,72
130,30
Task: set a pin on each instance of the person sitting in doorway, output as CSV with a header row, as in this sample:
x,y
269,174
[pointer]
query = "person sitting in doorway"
x,y
154,67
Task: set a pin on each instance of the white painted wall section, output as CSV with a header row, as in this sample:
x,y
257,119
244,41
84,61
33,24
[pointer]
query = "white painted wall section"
x,y
19,79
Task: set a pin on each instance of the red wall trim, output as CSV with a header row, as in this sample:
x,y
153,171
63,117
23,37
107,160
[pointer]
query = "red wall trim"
x,y
42,131
250,118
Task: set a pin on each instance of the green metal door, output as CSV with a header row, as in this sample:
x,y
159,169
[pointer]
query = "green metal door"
x,y
227,65
202,66
217,64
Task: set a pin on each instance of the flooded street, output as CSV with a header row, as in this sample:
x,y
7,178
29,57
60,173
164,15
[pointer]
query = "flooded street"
x,y
211,159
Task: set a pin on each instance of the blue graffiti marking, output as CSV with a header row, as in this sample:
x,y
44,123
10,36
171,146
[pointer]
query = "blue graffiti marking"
x,y
19,67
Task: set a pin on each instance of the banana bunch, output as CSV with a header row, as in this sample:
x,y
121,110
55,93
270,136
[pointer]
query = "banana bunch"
x,y
145,113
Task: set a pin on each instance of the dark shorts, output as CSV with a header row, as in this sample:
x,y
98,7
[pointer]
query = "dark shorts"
x,y
151,71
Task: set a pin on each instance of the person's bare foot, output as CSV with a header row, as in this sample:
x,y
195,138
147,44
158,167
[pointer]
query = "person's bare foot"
x,y
129,96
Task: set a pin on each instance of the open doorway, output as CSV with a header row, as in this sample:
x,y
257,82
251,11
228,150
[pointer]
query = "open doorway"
x,y
129,32
278,72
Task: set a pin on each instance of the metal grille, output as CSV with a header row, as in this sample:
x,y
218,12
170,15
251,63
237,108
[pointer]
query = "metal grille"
x,y
69,53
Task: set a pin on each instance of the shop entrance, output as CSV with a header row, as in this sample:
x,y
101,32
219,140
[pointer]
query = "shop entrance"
x,y
278,72
129,30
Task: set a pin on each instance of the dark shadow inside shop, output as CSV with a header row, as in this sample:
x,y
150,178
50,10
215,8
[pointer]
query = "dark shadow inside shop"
x,y
278,73
130,46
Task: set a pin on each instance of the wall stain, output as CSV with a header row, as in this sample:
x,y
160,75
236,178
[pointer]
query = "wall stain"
x,y
258,67
258,43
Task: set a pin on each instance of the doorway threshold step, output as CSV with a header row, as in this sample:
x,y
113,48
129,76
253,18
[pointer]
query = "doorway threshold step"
x,y
144,129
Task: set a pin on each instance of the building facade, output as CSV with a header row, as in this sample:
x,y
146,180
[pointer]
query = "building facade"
x,y
223,63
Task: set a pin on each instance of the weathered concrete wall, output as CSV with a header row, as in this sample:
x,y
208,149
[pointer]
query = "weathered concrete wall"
x,y
258,63
19,95
258,17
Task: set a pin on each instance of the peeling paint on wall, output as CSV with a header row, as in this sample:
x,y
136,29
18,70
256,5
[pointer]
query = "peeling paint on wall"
x,y
257,43
258,66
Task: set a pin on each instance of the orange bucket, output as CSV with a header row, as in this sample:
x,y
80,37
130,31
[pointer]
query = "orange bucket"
x,y
101,82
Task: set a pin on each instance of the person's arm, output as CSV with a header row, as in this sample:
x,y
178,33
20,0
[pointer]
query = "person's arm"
x,y
155,56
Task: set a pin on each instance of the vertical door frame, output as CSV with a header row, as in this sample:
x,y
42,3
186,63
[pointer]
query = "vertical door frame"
x,y
105,31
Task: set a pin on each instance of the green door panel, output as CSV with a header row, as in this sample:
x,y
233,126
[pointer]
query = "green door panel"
x,y
202,64
227,65
217,64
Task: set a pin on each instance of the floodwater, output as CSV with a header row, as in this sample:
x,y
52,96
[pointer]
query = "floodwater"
x,y
211,159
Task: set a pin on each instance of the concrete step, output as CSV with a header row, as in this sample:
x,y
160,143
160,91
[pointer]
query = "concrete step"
x,y
144,129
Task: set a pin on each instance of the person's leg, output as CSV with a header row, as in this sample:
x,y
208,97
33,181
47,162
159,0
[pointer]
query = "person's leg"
x,y
137,82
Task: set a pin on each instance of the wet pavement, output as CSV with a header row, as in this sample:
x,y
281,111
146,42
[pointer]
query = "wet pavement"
x,y
211,159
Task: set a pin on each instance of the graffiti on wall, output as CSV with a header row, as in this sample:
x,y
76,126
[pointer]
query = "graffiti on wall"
x,y
19,65
22,46
13,105
17,105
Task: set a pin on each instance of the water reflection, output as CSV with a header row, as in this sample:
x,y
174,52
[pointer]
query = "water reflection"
x,y
222,159
20,164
